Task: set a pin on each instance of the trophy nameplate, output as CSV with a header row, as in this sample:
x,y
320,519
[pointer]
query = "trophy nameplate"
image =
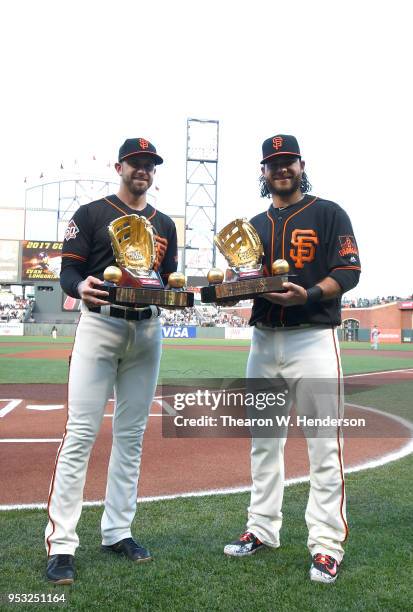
x,y
242,248
135,282
243,289
139,296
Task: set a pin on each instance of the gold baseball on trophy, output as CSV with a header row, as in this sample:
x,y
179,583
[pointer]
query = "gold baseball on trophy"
x,y
280,266
176,280
215,276
112,274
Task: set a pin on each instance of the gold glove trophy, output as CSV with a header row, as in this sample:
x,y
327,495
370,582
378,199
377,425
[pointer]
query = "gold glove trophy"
x,y
242,248
135,282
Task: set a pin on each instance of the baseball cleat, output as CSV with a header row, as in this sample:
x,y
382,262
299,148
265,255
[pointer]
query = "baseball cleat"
x,y
324,569
61,569
246,545
131,549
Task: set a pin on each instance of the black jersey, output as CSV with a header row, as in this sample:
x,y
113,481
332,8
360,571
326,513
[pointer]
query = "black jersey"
x,y
87,249
316,237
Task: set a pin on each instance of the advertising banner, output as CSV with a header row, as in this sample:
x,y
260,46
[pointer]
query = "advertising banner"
x,y
179,332
389,336
238,333
12,328
41,260
70,303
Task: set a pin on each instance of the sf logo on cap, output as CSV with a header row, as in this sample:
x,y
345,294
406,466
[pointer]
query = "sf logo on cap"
x,y
144,144
277,142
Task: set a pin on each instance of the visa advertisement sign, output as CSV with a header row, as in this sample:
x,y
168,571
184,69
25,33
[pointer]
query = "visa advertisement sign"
x,y
179,332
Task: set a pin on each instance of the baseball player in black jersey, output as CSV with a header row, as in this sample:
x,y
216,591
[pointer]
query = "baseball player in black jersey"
x,y
115,348
294,339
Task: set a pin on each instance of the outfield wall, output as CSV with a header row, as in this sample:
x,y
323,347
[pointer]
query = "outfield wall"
x,y
65,329
229,333
45,329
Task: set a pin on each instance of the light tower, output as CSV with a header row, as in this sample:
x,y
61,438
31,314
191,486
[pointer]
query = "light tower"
x,y
201,196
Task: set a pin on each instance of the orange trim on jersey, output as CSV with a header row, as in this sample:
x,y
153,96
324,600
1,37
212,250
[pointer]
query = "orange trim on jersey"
x,y
290,217
340,458
272,259
125,213
49,499
283,244
114,206
74,256
272,238
347,268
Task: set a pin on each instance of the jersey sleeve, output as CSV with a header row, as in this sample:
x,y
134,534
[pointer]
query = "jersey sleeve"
x,y
259,225
170,260
75,252
342,251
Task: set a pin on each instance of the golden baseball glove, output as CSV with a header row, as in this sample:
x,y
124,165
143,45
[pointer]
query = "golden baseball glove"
x,y
240,244
133,242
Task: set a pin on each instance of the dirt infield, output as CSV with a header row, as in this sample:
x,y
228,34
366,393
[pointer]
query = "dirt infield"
x,y
36,343
378,353
31,432
62,351
52,353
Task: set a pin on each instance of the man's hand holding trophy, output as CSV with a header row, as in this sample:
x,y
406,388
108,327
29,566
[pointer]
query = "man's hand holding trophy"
x,y
241,246
135,282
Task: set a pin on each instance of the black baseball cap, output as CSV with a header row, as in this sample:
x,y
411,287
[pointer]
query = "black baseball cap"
x,y
139,146
281,144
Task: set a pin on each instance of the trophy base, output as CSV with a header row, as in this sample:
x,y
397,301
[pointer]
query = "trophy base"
x,y
243,290
140,296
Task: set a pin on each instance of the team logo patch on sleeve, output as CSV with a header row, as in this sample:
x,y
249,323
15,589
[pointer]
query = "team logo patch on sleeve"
x,y
72,230
348,246
304,242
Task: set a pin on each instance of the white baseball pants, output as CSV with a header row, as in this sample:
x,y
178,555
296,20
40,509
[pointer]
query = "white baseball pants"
x,y
300,356
108,354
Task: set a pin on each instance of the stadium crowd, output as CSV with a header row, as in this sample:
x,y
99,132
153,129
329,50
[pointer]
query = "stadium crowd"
x,y
367,303
15,308
204,316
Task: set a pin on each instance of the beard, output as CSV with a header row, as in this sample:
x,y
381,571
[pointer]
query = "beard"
x,y
133,188
286,191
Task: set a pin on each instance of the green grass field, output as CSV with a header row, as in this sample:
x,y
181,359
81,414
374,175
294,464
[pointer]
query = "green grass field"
x,y
179,363
186,536
191,573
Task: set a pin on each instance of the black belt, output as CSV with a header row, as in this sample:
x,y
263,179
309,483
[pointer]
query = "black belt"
x,y
261,325
126,313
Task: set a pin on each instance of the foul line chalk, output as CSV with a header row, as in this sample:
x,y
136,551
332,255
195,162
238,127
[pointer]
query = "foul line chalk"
x,y
405,450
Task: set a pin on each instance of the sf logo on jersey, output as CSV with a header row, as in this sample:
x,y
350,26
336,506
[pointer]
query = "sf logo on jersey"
x,y
303,242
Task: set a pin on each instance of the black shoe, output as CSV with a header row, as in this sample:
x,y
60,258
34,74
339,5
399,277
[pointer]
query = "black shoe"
x,y
247,544
61,569
131,549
